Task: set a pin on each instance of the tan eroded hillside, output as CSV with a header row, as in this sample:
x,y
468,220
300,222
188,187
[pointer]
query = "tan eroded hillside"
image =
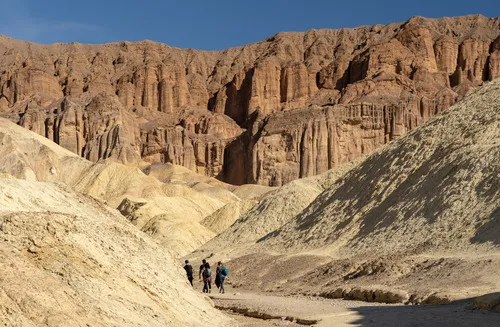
x,y
291,106
174,208
68,260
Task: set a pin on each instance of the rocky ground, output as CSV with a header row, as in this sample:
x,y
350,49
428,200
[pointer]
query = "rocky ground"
x,y
252,309
69,260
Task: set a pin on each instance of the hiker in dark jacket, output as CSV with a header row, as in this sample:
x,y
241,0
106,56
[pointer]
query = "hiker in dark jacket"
x,y
207,278
189,271
222,276
202,266
217,275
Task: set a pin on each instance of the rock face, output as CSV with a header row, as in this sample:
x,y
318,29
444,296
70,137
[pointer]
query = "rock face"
x,y
306,142
290,106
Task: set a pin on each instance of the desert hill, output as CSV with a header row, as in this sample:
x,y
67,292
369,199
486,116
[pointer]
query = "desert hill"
x,y
69,260
271,211
435,188
291,106
416,221
173,208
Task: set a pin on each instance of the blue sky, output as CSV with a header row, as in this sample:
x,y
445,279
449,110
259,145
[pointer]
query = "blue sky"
x,y
208,25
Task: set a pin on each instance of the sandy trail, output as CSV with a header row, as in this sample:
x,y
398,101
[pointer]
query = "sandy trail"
x,y
271,310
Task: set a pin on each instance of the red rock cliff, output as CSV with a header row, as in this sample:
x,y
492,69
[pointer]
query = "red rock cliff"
x,y
291,106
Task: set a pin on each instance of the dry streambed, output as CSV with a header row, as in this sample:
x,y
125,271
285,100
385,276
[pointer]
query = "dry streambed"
x,y
270,310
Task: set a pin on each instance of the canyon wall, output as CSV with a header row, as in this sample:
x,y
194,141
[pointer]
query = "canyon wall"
x,y
291,106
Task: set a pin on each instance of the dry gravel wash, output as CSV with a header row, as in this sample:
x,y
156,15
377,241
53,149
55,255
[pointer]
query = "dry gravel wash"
x,y
266,310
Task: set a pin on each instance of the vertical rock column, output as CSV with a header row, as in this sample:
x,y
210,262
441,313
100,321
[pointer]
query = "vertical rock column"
x,y
472,62
494,62
297,84
265,94
173,89
70,127
446,50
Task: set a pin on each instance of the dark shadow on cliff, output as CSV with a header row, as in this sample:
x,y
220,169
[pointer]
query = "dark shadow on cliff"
x,y
238,163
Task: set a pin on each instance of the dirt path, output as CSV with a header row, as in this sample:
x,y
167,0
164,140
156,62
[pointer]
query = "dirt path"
x,y
268,310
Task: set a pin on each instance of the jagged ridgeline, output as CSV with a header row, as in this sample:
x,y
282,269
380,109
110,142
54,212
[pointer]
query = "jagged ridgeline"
x,y
234,114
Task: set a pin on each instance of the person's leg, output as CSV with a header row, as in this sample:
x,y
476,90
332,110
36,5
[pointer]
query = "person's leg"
x,y
217,281
205,286
210,285
191,280
222,285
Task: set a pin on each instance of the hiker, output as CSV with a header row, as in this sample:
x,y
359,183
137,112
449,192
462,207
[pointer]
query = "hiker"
x,y
222,276
207,278
189,271
217,275
202,266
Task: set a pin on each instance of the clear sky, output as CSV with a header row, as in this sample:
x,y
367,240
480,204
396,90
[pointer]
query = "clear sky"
x,y
209,25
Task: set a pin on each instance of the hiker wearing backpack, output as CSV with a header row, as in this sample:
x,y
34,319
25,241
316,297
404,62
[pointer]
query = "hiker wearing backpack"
x,y
202,266
222,276
207,278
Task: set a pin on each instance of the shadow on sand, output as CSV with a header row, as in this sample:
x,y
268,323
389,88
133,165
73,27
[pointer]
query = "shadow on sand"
x,y
455,314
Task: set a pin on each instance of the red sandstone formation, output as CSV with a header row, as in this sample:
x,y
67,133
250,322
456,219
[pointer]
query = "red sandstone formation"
x,y
291,106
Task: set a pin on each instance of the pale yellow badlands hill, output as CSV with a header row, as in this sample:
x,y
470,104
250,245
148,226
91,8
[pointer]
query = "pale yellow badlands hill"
x,y
175,174
241,224
270,213
435,189
175,208
222,219
417,221
250,196
68,260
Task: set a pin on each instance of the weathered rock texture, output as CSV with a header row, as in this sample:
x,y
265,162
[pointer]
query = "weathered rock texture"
x,y
233,113
420,215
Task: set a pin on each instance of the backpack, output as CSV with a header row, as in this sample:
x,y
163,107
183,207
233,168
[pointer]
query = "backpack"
x,y
223,271
207,272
